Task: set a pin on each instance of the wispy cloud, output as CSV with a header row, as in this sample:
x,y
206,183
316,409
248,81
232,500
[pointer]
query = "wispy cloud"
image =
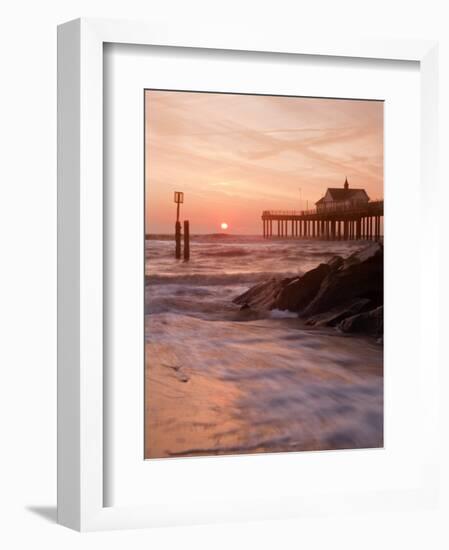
x,y
242,154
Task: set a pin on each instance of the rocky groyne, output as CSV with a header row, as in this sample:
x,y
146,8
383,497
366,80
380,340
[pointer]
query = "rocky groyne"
x,y
346,293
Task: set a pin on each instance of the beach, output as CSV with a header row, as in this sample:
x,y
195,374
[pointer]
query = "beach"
x,y
220,379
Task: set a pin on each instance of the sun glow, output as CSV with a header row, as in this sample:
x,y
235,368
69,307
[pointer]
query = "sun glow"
x,y
224,226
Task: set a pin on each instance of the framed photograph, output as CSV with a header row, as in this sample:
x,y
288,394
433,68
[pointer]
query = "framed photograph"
x,y
248,302
244,227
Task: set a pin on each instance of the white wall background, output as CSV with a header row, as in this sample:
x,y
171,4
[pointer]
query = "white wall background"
x,y
28,270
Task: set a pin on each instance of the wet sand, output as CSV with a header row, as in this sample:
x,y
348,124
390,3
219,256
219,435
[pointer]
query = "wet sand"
x,y
268,385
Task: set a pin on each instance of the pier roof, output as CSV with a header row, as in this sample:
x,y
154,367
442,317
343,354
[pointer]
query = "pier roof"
x,y
338,194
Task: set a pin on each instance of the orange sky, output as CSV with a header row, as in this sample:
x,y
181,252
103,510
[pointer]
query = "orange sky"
x,y
236,155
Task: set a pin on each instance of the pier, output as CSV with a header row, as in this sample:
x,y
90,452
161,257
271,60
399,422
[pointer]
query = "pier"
x,y
359,221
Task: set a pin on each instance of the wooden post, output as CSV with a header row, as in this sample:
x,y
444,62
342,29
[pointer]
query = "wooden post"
x,y
186,241
178,240
178,199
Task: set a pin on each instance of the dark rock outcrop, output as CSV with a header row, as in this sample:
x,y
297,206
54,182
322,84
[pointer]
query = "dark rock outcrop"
x,y
370,322
297,293
360,276
263,295
337,314
347,293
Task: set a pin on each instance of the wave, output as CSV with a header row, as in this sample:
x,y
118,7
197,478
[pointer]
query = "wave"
x,y
216,278
226,252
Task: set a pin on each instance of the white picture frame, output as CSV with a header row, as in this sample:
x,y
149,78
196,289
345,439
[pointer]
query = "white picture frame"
x,y
81,490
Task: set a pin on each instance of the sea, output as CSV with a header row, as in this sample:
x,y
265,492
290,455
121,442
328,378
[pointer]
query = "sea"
x,y
294,387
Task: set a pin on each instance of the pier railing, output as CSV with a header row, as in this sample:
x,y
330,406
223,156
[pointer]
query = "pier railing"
x,y
363,209
335,221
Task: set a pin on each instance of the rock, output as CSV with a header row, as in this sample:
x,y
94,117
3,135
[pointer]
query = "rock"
x,y
291,293
332,317
369,322
178,372
299,292
263,295
360,276
344,292
335,263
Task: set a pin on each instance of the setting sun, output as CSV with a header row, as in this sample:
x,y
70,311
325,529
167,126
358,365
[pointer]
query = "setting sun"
x,y
224,226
